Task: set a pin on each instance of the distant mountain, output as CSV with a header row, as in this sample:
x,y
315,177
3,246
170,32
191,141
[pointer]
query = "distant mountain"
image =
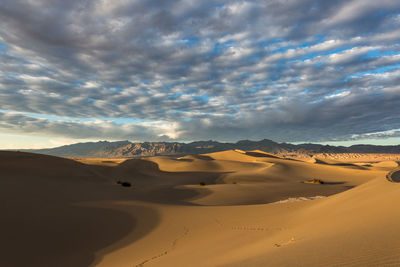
x,y
127,149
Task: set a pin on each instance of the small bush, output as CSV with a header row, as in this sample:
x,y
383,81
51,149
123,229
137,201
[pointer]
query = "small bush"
x,y
202,183
124,184
313,181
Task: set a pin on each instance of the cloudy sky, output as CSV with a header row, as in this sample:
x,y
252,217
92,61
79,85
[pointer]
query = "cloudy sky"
x,y
286,70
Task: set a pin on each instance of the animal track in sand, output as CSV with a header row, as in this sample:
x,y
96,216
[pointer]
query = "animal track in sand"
x,y
256,228
249,228
218,222
165,252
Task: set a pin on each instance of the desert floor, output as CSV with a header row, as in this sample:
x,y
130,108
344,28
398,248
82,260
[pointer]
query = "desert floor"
x,y
230,208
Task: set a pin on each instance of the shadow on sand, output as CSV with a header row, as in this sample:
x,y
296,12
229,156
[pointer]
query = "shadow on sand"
x,y
348,165
45,219
150,184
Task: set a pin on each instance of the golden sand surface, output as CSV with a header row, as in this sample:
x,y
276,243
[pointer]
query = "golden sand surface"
x,y
229,208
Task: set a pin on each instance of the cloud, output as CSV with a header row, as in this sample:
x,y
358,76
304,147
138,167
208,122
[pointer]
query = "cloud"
x,y
86,129
226,70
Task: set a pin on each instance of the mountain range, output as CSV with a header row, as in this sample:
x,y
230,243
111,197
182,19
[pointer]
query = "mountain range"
x,y
127,149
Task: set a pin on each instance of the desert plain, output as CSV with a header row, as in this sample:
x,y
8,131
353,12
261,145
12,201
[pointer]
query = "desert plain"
x,y
229,208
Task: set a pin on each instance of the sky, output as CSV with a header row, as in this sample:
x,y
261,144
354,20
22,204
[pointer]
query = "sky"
x,y
166,70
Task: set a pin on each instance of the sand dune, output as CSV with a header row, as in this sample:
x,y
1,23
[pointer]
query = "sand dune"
x,y
230,208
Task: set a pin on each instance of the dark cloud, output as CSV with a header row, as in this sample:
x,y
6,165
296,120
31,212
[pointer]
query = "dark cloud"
x,y
287,70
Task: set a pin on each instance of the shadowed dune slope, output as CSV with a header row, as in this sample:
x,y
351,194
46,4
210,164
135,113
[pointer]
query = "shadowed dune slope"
x,y
58,212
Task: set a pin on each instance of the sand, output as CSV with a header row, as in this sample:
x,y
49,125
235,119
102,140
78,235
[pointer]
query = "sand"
x,y
230,208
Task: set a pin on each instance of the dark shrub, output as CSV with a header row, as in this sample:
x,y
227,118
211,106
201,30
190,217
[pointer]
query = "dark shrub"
x,y
125,184
313,181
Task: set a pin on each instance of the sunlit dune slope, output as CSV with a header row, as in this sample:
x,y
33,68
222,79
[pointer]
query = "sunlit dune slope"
x,y
354,228
258,177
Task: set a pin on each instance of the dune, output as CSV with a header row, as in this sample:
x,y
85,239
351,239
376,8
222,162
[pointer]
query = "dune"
x,y
386,164
349,157
259,153
229,208
232,155
43,223
100,161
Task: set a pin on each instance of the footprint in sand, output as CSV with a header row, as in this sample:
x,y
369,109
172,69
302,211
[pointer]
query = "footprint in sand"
x,y
258,228
173,245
